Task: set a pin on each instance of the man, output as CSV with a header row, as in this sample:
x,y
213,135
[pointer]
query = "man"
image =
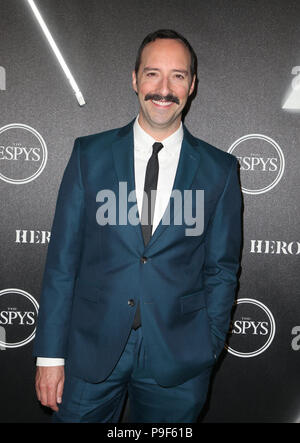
x,y
142,306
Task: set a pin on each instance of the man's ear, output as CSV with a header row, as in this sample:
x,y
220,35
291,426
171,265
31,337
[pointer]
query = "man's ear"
x,y
134,81
192,85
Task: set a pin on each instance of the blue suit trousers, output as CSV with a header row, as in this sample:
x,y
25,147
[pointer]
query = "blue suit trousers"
x,y
85,402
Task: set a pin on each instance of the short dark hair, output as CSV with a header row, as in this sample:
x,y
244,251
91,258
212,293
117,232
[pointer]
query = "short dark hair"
x,y
168,34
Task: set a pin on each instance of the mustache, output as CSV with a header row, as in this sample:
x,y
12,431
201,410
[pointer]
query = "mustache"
x,y
167,98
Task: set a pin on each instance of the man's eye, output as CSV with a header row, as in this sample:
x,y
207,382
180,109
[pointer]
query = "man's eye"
x,y
180,76
150,74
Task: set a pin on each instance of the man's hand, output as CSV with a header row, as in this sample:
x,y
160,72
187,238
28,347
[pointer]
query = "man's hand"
x,y
49,385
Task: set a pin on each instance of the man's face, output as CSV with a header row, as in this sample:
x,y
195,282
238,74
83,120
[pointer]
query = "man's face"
x,y
163,83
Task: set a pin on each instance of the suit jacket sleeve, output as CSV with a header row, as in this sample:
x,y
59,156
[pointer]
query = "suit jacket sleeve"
x,y
62,262
222,257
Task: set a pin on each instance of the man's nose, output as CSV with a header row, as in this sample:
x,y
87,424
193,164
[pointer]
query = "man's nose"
x,y
164,86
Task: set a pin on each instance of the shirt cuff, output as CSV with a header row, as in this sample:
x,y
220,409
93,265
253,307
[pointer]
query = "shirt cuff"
x,y
42,361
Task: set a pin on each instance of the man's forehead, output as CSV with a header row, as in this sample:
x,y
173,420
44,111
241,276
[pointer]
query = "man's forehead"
x,y
165,50
171,47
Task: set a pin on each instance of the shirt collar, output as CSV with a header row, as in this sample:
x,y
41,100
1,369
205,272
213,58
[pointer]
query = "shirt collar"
x,y
144,141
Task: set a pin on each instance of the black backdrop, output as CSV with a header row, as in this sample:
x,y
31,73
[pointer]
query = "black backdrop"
x,y
246,52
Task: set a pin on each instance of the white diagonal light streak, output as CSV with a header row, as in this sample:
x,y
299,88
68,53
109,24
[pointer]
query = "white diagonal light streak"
x,y
57,53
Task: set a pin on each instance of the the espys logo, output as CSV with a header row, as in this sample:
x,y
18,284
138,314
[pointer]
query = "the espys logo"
x,y
18,314
252,330
23,153
261,162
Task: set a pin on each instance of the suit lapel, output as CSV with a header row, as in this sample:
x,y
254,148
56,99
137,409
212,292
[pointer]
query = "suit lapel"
x,y
123,155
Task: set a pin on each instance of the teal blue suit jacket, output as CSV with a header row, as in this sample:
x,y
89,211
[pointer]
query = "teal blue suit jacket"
x,y
186,288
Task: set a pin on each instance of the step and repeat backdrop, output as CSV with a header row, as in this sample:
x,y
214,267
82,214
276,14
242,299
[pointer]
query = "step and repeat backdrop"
x,y
247,103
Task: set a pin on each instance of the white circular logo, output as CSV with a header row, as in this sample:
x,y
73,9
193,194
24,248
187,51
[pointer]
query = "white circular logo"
x,y
261,162
252,330
23,153
18,314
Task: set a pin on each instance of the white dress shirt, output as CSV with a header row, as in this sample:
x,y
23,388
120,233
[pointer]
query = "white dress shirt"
x,y
168,158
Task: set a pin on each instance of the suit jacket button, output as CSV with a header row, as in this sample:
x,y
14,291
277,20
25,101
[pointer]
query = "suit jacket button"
x,y
144,259
131,302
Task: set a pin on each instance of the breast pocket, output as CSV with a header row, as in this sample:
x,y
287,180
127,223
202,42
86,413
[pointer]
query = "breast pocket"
x,y
193,302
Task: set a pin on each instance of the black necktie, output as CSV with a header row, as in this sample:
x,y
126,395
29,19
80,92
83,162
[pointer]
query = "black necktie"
x,y
151,178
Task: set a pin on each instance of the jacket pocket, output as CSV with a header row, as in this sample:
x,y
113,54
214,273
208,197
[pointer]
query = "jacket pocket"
x,y
193,302
87,291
